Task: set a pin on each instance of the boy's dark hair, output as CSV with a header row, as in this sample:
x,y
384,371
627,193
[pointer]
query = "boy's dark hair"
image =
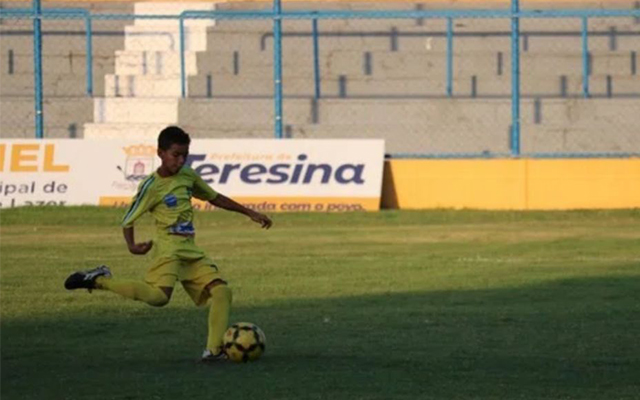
x,y
171,135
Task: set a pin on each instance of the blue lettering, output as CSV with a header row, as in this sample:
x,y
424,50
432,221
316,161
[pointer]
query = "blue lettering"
x,y
299,173
275,170
356,171
207,169
326,175
297,170
252,170
226,170
193,157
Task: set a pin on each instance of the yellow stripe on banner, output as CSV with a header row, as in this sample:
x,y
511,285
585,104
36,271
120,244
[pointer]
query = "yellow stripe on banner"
x,y
523,184
279,204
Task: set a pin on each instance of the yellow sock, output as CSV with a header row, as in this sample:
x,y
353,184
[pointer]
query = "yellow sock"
x,y
134,290
218,316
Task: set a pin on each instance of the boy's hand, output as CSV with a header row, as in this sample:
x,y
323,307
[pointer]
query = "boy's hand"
x,y
141,248
261,219
226,203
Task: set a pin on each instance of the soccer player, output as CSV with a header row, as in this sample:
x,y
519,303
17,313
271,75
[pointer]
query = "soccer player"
x,y
166,194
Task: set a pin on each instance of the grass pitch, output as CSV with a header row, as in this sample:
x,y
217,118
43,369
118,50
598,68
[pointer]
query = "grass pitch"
x,y
390,305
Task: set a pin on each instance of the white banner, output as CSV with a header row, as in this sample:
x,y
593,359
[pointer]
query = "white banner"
x,y
265,174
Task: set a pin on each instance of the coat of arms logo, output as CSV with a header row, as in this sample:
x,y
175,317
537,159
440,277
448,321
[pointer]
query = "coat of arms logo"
x,y
139,162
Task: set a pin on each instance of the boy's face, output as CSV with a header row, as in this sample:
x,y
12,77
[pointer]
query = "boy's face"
x,y
173,158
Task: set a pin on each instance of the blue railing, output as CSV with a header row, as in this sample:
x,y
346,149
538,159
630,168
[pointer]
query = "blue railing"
x,y
514,14
37,13
515,79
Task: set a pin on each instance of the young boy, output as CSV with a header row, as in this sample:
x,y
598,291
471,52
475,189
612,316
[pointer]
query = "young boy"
x,y
166,194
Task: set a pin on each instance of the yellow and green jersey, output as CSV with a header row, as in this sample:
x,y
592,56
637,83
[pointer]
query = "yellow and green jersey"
x,y
168,200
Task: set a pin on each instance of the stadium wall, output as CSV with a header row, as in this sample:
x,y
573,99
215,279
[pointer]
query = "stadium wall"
x,y
518,184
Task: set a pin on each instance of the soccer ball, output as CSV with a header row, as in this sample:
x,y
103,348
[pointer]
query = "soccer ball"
x,y
243,342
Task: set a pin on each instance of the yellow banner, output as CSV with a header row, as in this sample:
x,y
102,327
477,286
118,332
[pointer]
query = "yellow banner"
x,y
519,184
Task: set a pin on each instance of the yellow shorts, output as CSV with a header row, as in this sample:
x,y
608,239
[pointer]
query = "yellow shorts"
x,y
194,275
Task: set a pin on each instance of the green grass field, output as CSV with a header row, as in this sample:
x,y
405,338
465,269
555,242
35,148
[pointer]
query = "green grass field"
x,y
390,305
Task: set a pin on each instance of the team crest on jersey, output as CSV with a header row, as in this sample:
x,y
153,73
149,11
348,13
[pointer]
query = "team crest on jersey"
x,y
170,200
182,228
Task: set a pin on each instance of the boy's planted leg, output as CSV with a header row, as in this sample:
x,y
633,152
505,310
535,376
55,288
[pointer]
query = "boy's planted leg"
x,y
220,295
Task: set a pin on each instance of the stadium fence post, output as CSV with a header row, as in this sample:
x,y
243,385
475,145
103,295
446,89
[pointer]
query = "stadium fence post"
x,y
585,57
316,58
449,57
183,86
89,49
37,66
515,78
277,66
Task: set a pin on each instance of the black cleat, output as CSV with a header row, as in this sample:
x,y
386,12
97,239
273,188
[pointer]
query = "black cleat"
x,y
86,279
209,358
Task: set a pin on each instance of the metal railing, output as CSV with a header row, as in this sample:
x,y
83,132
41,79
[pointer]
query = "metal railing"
x,y
277,15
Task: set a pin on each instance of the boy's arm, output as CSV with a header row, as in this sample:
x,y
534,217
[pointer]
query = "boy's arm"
x,y
143,201
226,203
135,248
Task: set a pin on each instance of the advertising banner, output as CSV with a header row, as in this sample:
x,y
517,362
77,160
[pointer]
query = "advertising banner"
x,y
264,174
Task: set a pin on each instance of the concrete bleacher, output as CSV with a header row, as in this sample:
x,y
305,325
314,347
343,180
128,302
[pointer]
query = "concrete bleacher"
x,y
65,117
66,104
416,66
379,78
458,125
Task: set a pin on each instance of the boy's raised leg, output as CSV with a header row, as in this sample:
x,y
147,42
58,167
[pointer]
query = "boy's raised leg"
x,y
134,290
86,279
100,278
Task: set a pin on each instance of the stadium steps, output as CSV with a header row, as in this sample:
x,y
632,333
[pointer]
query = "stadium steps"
x,y
129,130
135,110
147,86
167,38
140,63
141,98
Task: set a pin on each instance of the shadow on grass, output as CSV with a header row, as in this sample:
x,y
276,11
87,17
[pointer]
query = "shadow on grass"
x,y
566,339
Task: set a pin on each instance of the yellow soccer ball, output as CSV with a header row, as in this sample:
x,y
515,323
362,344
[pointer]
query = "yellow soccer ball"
x,y
243,342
